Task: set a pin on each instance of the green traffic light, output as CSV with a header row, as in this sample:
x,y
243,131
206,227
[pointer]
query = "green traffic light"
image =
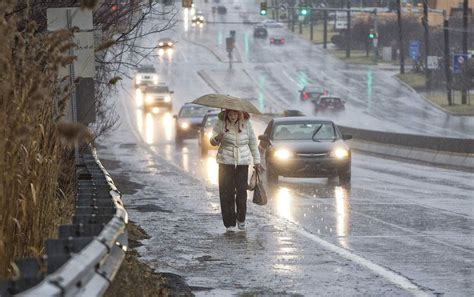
x,y
371,36
304,12
263,12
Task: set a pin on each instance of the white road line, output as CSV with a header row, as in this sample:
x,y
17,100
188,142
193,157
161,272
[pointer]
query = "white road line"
x,y
289,77
389,275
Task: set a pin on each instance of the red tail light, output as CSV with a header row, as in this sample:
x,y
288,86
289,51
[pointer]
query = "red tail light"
x,y
282,40
305,95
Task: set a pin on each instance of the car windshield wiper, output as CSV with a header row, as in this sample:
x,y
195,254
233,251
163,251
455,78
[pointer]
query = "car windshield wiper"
x,y
316,132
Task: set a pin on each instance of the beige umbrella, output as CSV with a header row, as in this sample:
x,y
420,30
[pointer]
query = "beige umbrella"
x,y
226,102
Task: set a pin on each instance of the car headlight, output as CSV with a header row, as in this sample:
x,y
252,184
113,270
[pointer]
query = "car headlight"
x,y
155,79
149,99
167,98
340,153
138,79
283,154
160,44
194,18
184,126
170,44
201,18
209,135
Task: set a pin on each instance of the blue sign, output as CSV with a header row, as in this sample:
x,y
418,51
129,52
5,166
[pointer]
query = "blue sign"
x,y
414,50
458,61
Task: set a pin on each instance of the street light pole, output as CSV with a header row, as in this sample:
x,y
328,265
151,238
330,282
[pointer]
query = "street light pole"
x,y
447,60
427,43
464,46
400,37
348,37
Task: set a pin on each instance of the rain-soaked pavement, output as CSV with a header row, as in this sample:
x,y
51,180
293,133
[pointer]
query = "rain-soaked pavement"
x,y
399,229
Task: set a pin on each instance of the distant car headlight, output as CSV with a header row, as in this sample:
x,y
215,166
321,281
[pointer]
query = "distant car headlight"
x,y
340,153
155,79
138,79
194,18
149,99
167,98
170,44
160,44
201,18
282,154
184,126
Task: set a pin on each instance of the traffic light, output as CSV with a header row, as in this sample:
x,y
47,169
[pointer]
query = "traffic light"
x,y
372,34
303,9
187,3
263,8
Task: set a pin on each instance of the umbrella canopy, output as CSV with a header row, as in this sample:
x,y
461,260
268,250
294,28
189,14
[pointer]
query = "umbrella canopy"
x,y
226,102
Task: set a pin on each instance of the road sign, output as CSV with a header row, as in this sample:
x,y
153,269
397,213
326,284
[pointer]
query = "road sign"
x,y
341,20
57,18
414,50
433,62
458,61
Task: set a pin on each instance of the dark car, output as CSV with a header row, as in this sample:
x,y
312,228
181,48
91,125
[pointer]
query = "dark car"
x,y
156,98
292,113
165,45
311,93
260,31
198,18
221,9
305,147
329,104
205,131
189,120
277,40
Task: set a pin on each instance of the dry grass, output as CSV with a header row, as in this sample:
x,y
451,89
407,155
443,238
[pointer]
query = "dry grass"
x,y
415,80
357,57
441,100
36,183
318,33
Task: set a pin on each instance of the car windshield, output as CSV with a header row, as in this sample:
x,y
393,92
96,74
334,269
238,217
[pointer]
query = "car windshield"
x,y
193,111
157,89
146,69
318,131
210,121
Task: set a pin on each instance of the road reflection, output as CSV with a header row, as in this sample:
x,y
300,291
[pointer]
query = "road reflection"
x,y
284,202
342,215
149,128
212,169
186,19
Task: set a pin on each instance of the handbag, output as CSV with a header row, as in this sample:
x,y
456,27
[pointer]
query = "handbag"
x,y
259,193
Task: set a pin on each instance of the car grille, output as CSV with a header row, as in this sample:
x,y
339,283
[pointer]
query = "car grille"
x,y
311,156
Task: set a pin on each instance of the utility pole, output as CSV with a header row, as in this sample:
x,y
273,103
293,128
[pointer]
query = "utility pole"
x,y
376,39
464,46
311,20
400,37
348,37
427,43
447,59
325,37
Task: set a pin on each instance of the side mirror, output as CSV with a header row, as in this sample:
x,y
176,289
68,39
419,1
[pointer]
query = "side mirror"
x,y
264,138
175,116
346,136
171,92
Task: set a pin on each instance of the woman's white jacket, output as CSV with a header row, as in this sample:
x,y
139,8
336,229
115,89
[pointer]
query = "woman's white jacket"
x,y
236,148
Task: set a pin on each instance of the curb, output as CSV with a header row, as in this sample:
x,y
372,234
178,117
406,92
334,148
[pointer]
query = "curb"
x,y
457,161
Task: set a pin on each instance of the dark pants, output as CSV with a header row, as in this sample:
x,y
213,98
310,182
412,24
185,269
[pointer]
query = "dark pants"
x,y
233,192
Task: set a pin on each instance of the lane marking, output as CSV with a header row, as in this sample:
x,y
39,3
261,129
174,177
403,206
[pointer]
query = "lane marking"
x,y
386,273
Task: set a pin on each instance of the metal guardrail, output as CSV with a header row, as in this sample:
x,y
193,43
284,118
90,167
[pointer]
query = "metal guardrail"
x,y
85,258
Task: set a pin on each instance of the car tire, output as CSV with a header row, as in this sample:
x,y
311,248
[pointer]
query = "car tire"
x,y
178,139
272,177
345,177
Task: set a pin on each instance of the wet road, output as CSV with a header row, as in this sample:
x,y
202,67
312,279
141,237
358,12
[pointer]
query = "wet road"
x,y
400,229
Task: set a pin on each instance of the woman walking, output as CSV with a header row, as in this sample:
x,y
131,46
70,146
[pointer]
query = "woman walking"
x,y
237,143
